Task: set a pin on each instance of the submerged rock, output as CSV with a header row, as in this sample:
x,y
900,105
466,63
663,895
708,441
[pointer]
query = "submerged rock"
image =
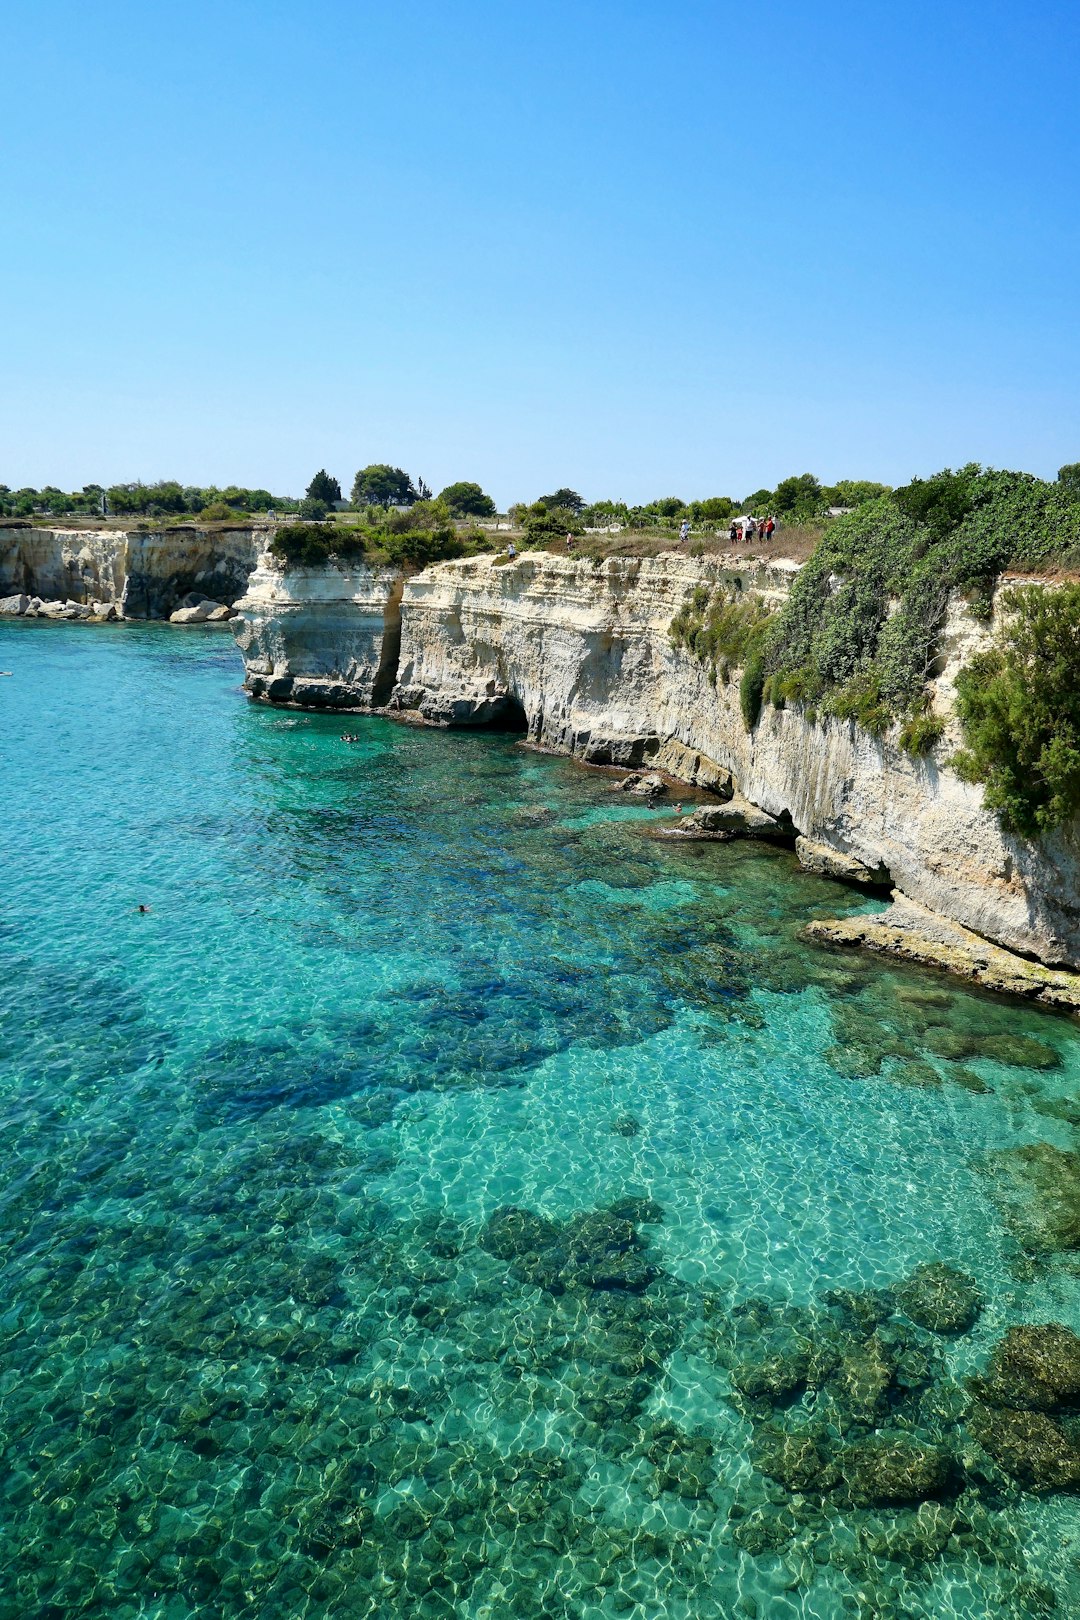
x,y
940,1298
682,1461
1037,1187
1032,1447
1035,1368
599,1250
893,1468
797,1459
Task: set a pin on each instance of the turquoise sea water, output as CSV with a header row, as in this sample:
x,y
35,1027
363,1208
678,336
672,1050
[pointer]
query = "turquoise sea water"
x,y
270,1343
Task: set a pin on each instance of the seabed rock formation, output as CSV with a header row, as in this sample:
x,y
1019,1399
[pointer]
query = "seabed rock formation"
x,y
580,656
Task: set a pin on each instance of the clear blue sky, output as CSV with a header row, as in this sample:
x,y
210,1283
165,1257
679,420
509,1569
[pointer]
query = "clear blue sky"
x,y
637,248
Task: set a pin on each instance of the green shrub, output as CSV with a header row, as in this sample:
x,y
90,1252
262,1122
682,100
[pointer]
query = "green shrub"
x,y
1020,708
312,544
921,734
725,630
309,544
861,628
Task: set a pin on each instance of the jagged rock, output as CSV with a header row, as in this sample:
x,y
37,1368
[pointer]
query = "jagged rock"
x,y
17,604
598,1250
1032,1447
1035,1368
888,1469
798,1460
940,1298
220,613
735,819
834,863
626,783
651,786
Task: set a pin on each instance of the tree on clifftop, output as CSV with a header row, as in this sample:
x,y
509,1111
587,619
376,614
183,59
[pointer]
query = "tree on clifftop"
x,y
564,499
322,488
467,500
382,485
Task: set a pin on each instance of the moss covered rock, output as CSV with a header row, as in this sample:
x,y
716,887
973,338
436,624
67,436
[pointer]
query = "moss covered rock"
x,y
940,1299
797,1459
891,1468
1037,1187
1019,1051
1034,1368
599,1250
1033,1447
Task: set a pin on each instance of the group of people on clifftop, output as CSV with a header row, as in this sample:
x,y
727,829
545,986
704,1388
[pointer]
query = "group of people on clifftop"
x,y
742,528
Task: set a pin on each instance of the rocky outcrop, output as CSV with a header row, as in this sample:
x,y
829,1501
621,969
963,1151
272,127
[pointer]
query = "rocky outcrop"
x,y
325,637
580,655
584,654
144,574
917,934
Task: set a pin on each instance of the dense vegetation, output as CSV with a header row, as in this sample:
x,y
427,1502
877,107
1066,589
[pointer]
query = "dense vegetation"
x,y
860,631
166,498
726,632
1020,707
424,534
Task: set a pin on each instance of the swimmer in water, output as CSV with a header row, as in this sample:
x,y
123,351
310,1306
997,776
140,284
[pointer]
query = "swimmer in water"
x,y
144,909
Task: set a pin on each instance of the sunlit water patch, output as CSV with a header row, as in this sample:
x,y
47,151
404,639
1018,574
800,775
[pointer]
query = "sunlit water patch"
x,y
448,1200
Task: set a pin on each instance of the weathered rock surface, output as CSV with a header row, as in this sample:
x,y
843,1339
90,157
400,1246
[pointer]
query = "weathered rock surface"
x,y
580,655
204,612
918,934
17,604
737,818
322,637
836,863
143,573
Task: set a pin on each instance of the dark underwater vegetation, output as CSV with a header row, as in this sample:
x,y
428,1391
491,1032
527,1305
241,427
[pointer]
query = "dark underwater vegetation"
x,y
450,1201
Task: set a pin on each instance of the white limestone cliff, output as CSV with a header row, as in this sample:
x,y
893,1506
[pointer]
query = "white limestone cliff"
x,y
143,573
582,654
324,637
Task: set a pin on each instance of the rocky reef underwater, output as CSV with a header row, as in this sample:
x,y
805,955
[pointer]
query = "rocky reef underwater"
x,y
450,1199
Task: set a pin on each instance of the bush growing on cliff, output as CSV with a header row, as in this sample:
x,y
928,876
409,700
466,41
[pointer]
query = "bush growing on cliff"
x,y
860,631
1020,708
309,544
726,631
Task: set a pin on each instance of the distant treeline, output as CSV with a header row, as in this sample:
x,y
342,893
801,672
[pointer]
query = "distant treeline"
x,y
166,498
801,498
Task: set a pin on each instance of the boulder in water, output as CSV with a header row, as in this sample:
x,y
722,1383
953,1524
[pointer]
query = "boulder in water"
x,y
1032,1447
940,1298
889,1469
1034,1368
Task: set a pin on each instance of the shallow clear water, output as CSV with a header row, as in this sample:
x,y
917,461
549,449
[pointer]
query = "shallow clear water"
x,y
263,1350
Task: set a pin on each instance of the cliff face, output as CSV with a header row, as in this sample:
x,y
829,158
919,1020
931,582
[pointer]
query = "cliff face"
x,y
323,637
144,574
583,657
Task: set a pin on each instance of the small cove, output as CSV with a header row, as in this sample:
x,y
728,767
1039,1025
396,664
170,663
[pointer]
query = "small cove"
x,y
264,1350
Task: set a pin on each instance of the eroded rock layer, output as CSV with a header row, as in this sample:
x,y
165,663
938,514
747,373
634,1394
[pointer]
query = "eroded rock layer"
x,y
582,656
